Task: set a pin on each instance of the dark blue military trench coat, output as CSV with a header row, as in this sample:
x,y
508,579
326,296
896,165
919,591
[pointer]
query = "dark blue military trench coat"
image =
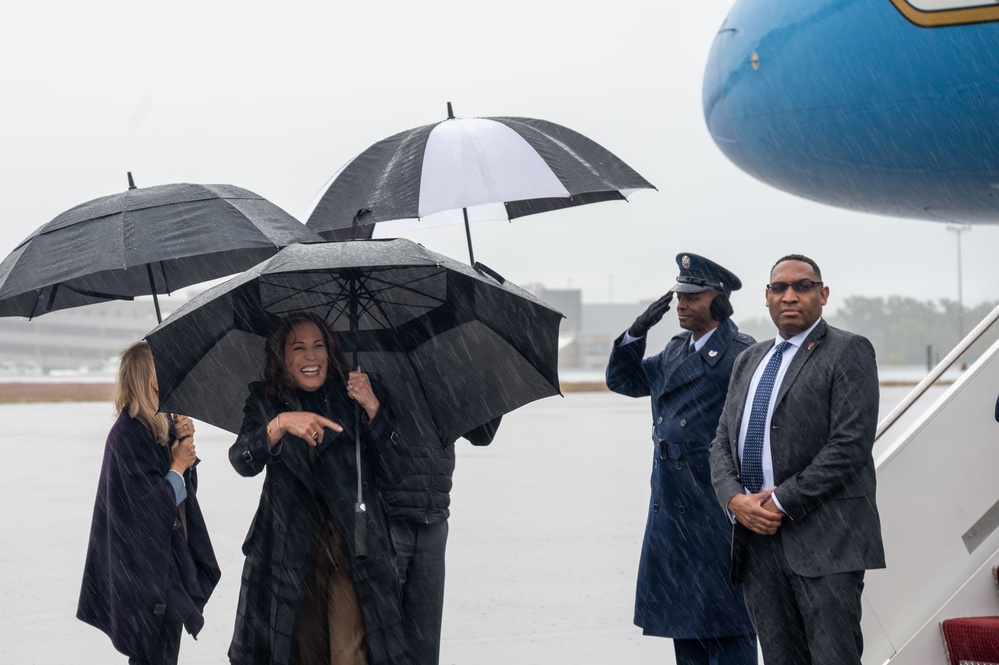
x,y
683,577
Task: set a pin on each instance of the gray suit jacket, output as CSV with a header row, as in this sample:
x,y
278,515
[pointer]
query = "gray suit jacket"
x,y
821,438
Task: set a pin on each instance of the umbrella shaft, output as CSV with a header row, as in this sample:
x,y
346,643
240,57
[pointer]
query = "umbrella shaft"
x,y
468,237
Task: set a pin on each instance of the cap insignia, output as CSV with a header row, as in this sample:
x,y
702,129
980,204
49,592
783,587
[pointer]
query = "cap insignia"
x,y
685,261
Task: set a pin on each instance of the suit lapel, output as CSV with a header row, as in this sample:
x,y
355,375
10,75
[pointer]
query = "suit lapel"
x,y
753,357
809,346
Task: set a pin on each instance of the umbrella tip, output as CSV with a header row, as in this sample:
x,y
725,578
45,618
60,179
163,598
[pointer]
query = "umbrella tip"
x,y
131,183
450,113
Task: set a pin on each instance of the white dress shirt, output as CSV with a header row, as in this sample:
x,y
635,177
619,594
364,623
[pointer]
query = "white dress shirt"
x,y
768,461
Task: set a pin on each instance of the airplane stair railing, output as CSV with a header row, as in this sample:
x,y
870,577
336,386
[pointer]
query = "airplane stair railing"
x,y
939,503
937,372
972,639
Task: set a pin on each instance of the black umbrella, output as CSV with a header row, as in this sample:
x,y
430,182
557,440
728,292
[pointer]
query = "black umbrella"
x,y
143,241
465,169
455,348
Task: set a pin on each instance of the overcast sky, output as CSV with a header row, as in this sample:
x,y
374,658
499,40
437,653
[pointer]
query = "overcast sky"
x,y
275,97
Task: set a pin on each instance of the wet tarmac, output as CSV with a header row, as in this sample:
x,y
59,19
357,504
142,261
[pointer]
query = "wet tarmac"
x,y
545,534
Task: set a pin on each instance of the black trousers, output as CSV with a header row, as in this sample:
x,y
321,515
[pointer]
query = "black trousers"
x,y
166,649
802,620
420,559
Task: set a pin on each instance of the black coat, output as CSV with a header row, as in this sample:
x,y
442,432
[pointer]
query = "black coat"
x,y
424,495
279,545
140,569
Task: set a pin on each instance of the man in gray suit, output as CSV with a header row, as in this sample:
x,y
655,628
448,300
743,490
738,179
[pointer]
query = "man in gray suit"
x,y
791,462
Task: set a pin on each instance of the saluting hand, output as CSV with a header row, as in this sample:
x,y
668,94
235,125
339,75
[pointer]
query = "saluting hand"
x,y
650,316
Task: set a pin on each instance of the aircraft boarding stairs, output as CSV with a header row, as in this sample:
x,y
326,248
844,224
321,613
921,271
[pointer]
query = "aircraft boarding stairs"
x,y
972,639
938,495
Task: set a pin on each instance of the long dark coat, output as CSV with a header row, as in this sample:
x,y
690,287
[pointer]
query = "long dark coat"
x,y
683,578
279,545
140,568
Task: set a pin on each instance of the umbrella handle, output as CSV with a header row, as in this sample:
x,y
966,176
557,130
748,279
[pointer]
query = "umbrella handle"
x,y
360,531
360,511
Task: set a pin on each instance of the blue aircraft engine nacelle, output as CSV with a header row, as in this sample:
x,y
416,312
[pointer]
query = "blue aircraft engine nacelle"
x,y
883,106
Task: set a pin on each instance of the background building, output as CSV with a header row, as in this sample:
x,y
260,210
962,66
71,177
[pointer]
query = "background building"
x,y
88,339
82,339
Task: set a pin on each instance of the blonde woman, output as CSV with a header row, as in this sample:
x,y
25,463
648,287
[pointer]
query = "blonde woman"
x,y
150,565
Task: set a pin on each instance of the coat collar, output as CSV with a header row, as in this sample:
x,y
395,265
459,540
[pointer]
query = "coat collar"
x,y
723,335
684,368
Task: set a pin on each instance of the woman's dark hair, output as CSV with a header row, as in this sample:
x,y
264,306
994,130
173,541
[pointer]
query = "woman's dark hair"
x,y
277,380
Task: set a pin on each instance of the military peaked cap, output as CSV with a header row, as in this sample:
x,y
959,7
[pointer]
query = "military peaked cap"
x,y
700,274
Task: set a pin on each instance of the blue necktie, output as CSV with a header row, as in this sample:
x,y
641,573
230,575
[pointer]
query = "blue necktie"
x,y
752,449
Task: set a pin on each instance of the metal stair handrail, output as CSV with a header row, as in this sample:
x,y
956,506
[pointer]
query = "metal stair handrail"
x,y
931,378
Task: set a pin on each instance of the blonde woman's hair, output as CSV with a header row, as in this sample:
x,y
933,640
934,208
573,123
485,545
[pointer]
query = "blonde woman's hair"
x,y
134,394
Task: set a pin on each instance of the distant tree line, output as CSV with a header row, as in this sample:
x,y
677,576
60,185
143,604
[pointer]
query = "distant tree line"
x,y
901,329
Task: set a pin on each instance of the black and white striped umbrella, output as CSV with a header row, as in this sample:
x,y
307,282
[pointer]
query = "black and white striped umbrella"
x,y
468,169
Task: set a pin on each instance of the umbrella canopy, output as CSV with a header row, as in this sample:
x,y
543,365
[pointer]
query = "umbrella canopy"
x,y
143,241
468,169
454,348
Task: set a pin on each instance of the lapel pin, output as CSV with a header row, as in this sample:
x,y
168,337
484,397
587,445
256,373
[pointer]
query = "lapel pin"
x,y
712,353
810,345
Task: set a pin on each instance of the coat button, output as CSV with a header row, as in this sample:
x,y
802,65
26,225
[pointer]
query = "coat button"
x,y
681,510
678,465
379,560
176,524
660,421
655,463
655,507
683,423
160,609
275,525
